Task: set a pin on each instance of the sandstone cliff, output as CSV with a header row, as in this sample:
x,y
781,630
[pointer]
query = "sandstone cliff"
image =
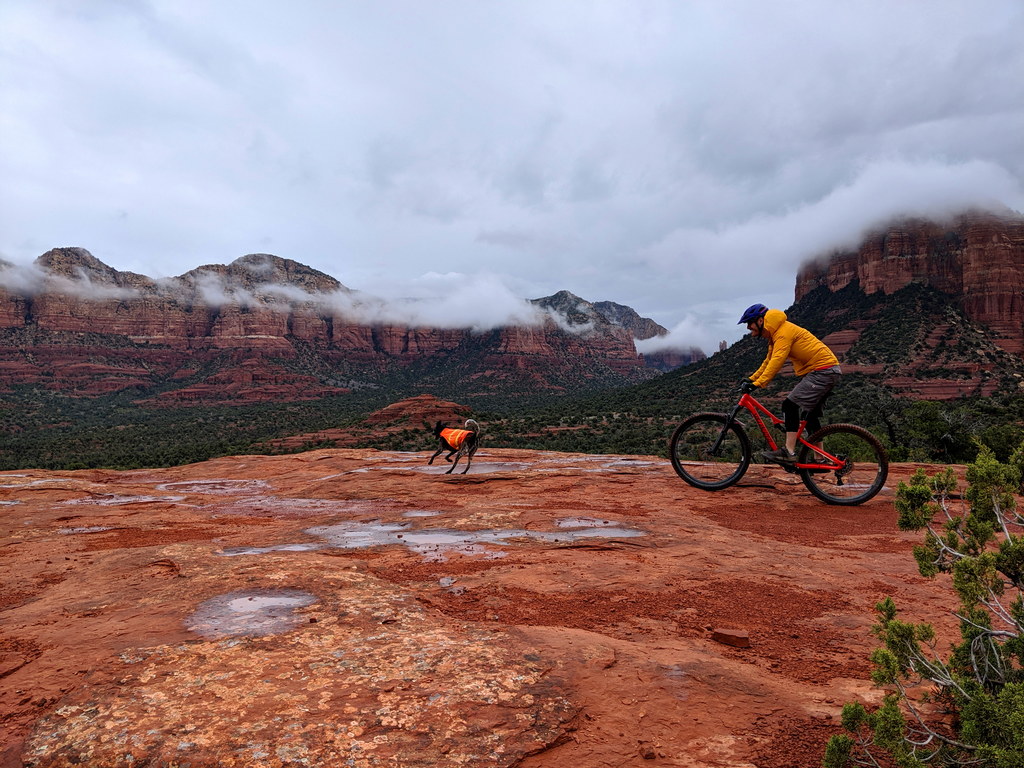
x,y
266,328
977,258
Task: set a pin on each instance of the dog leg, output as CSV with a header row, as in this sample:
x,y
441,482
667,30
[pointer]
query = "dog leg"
x,y
458,455
469,458
441,448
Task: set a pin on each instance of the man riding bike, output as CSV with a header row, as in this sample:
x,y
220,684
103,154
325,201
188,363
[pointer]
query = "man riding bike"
x,y
812,360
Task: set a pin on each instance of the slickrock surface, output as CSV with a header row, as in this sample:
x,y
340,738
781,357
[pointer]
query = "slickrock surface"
x,y
358,608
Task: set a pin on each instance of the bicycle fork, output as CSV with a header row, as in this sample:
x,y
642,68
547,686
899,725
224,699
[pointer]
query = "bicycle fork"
x,y
721,436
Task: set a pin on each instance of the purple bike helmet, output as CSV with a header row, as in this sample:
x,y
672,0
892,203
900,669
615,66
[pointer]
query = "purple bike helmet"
x,y
751,313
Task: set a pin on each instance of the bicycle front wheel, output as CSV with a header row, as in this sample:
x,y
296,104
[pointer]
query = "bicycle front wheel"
x,y
865,465
692,457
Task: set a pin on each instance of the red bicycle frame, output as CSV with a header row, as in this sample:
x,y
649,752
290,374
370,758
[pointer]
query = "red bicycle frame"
x,y
755,409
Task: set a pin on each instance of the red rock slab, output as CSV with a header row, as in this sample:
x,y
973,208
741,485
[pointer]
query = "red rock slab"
x,y
567,642
369,679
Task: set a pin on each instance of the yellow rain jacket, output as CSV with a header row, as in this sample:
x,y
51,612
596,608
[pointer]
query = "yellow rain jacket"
x,y
455,437
786,340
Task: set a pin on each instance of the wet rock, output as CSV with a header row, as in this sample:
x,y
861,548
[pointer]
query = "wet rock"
x,y
429,649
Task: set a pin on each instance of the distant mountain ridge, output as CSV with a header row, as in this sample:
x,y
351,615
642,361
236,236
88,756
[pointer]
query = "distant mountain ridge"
x,y
263,328
977,258
581,313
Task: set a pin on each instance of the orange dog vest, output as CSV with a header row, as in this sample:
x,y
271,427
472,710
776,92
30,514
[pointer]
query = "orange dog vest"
x,y
455,437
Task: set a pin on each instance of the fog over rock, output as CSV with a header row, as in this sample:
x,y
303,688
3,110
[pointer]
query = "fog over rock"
x,y
262,328
279,284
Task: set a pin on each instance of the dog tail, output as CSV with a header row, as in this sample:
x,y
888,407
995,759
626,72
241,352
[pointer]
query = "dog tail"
x,y
472,426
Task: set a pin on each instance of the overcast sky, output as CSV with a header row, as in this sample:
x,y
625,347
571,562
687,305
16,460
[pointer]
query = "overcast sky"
x,y
680,157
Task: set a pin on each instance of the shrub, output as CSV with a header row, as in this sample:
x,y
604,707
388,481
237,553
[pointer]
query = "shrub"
x,y
967,708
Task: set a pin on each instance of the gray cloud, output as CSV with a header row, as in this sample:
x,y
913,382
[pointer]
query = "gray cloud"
x,y
677,157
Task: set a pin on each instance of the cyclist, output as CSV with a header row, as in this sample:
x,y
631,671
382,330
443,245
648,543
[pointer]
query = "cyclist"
x,y
812,360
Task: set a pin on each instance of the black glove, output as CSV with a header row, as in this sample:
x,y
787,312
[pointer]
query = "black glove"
x,y
747,385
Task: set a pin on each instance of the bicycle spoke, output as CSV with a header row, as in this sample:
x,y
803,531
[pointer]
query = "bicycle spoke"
x,y
859,472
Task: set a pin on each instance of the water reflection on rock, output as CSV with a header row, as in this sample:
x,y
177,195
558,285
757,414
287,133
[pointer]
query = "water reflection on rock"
x,y
250,613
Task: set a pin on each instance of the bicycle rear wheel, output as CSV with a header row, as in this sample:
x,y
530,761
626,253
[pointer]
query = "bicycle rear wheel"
x,y
692,459
866,465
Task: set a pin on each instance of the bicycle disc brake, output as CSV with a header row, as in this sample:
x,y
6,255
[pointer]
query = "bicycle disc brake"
x,y
844,470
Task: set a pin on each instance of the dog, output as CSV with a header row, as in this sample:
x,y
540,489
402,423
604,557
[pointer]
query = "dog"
x,y
460,442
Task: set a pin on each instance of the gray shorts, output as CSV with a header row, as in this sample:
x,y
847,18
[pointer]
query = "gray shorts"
x,y
813,388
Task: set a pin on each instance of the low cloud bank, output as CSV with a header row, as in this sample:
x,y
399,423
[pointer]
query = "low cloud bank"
x,y
453,300
30,280
690,332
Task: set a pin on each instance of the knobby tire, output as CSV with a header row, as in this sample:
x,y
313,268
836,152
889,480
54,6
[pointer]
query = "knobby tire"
x,y
862,478
690,446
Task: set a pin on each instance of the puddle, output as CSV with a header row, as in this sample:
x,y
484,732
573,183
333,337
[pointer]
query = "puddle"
x,y
233,551
478,468
86,529
582,522
8,503
600,459
275,506
215,486
44,481
436,544
439,467
249,613
633,463
448,582
562,459
111,500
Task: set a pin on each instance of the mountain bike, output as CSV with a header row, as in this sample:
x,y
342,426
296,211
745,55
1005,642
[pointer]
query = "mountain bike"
x,y
840,463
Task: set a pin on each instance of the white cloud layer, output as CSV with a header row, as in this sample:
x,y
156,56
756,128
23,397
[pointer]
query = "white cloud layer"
x,y
452,300
681,158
